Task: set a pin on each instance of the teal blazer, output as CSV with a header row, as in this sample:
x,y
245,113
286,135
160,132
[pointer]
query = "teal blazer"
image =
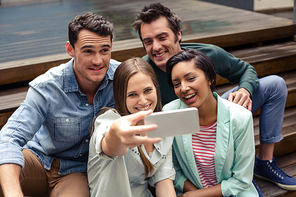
x,y
234,152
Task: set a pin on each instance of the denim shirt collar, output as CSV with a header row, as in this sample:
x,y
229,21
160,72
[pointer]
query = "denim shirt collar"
x,y
70,82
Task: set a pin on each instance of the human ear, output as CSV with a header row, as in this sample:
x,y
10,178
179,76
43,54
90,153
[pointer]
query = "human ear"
x,y
210,82
69,49
179,35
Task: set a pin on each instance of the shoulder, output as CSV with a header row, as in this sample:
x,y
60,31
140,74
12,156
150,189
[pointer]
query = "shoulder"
x,y
213,51
146,58
105,119
237,112
53,75
107,114
200,46
112,67
114,64
167,143
175,104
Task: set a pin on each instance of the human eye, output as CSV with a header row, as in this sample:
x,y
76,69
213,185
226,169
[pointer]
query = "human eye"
x,y
131,94
105,50
176,85
191,78
162,37
147,42
147,90
87,51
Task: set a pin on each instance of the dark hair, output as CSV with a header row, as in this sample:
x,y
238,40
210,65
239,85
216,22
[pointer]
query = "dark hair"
x,y
201,60
153,12
92,22
122,75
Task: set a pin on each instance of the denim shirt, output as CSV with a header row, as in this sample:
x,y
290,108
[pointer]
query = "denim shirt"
x,y
55,120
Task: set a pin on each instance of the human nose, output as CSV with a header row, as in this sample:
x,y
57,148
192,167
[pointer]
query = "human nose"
x,y
97,59
156,46
142,100
184,87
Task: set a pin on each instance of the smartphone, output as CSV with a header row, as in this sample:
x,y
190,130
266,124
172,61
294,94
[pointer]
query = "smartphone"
x,y
173,123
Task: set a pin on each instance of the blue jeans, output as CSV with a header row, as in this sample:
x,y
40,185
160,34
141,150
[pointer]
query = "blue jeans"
x,y
270,95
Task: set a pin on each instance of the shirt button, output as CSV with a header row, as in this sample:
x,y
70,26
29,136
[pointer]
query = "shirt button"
x,y
80,155
86,140
86,104
67,120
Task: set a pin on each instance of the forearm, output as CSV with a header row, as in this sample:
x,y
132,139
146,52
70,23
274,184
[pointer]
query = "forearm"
x,y
210,191
249,80
165,188
112,146
188,186
9,180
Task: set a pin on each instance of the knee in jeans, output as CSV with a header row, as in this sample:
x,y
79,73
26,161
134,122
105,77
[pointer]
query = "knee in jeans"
x,y
280,87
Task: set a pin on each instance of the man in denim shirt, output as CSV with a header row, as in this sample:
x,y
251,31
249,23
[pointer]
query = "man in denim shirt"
x,y
44,144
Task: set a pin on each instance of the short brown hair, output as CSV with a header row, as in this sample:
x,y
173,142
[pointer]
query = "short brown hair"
x,y
92,22
153,12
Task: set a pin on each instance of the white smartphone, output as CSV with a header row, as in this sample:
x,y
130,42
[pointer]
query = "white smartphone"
x,y
173,123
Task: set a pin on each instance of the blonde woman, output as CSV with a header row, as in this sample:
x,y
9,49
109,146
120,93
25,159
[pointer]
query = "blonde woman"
x,y
122,159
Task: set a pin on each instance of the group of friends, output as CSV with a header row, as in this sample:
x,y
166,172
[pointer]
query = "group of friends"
x,y
80,130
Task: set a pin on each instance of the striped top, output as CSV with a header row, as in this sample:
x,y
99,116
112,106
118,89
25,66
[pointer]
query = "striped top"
x,y
203,144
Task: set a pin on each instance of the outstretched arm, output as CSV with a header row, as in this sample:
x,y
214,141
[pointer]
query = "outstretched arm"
x,y
9,180
124,134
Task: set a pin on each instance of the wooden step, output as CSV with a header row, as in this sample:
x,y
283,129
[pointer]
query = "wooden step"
x,y
287,145
288,164
270,59
11,99
290,79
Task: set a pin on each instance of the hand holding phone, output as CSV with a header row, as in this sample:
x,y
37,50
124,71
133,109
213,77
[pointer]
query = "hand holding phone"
x,y
173,123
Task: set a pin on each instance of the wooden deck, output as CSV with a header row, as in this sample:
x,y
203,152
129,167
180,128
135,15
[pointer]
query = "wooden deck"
x,y
37,30
33,38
